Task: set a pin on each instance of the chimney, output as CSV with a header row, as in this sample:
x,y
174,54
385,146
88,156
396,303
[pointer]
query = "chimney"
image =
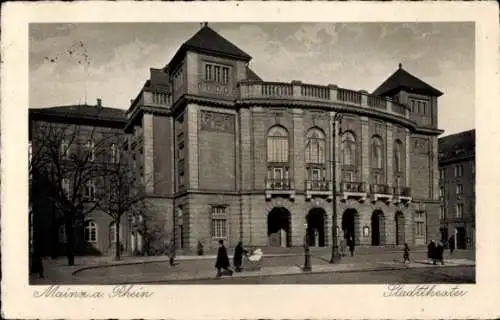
x,y
99,102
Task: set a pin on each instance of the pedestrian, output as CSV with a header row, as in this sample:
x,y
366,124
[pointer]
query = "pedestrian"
x,y
351,245
406,254
239,251
171,253
431,248
451,244
342,246
222,261
439,253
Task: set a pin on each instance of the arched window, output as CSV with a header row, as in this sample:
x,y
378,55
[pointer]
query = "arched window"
x,y
90,234
398,147
277,145
377,154
348,149
315,146
277,157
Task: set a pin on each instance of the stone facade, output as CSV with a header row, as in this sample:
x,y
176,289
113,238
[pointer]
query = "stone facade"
x,y
224,183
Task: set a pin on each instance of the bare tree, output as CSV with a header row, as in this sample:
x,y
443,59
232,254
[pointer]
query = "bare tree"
x,y
67,163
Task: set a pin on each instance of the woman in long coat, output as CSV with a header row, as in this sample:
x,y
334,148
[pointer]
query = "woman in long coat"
x,y
222,261
238,256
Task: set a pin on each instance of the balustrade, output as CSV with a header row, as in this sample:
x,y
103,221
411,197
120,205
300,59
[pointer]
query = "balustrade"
x,y
377,102
349,96
279,184
318,185
380,189
402,191
312,91
352,186
270,89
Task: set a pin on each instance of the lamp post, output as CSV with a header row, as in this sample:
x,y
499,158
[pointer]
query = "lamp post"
x,y
335,250
307,255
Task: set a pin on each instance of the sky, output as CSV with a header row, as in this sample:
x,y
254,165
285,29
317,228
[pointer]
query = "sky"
x,y
74,63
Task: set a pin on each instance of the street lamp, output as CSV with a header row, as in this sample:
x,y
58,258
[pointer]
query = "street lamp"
x,y
307,255
335,250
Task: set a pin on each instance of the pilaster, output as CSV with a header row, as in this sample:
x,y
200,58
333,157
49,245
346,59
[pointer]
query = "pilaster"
x,y
389,155
148,142
365,151
192,146
407,158
298,157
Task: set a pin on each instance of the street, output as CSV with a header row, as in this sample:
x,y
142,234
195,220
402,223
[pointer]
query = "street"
x,y
406,276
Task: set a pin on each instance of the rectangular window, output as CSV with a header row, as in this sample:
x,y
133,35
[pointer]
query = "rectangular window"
x,y
441,174
114,153
420,229
217,73
64,150
315,174
277,150
460,210
397,181
219,222
460,190
90,150
441,192
442,213
65,187
225,75
459,170
90,190
348,176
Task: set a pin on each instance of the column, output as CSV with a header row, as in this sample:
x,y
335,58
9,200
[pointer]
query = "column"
x,y
408,158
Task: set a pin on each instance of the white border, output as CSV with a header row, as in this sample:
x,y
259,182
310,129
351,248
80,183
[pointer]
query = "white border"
x,y
346,301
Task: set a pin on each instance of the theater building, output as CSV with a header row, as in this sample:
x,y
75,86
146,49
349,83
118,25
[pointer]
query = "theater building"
x,y
457,168
235,157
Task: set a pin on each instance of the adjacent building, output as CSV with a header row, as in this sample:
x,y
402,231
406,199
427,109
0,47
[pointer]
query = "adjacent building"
x,y
227,155
457,168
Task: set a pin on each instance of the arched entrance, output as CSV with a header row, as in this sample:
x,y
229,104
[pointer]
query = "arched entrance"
x,y
279,227
316,227
350,221
378,228
399,218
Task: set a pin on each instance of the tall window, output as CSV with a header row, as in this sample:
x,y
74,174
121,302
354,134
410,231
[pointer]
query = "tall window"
x,y
65,186
442,213
277,153
348,149
420,229
64,149
114,153
459,170
441,192
398,148
180,159
348,157
377,168
219,222
460,210
90,231
315,154
441,174
90,150
460,190
90,190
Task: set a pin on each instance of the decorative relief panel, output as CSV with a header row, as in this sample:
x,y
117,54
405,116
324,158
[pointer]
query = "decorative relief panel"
x,y
420,145
214,88
216,121
276,114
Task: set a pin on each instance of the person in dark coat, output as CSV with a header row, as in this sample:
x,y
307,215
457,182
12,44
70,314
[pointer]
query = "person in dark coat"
x,y
351,245
406,254
439,253
451,244
239,251
171,253
222,261
431,248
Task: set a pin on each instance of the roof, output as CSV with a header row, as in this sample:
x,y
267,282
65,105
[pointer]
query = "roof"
x,y
89,112
403,80
251,75
457,146
207,40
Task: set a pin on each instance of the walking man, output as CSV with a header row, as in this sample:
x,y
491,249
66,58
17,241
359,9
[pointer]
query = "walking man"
x,y
406,254
351,245
222,261
451,244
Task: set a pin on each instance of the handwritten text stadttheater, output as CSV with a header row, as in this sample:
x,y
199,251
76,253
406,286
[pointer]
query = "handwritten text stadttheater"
x,y
121,291
423,290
